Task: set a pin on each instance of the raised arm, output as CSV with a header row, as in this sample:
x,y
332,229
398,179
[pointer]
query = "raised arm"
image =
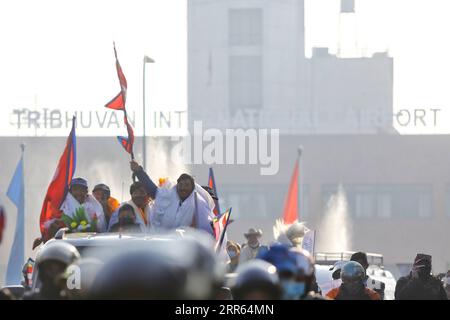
x,y
144,178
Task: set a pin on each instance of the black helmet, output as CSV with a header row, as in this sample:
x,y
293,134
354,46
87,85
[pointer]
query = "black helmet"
x,y
88,269
143,271
352,272
197,254
257,275
168,267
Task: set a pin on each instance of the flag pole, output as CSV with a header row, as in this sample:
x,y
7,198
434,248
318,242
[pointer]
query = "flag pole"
x,y
300,181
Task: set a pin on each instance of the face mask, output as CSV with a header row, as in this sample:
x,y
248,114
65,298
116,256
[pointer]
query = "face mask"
x,y
232,254
293,290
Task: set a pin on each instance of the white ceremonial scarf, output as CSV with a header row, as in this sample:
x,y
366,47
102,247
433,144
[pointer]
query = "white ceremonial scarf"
x,y
169,212
139,220
91,206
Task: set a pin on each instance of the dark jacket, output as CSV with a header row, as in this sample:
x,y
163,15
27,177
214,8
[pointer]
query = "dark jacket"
x,y
143,177
430,288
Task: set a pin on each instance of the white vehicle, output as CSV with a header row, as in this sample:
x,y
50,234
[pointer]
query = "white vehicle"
x,y
376,272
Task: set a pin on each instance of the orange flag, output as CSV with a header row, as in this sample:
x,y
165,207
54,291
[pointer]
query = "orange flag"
x,y
290,213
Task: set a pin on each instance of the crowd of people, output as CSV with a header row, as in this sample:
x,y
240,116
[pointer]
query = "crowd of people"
x,y
151,207
189,267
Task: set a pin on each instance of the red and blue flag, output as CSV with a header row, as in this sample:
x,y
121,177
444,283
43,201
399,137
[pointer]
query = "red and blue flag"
x,y
59,186
118,103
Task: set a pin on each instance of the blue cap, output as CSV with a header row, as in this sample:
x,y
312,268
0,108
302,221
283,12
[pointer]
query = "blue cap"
x,y
79,182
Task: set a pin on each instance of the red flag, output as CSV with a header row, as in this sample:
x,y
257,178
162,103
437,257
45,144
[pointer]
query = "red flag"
x,y
212,185
118,102
59,186
2,222
290,213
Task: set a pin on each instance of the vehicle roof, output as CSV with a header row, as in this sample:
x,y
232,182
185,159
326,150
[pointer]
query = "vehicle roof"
x,y
100,239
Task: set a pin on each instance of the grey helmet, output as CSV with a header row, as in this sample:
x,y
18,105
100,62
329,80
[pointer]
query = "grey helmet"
x,y
57,250
352,272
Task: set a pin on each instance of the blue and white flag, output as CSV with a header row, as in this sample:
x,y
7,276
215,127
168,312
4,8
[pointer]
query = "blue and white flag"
x,y
16,194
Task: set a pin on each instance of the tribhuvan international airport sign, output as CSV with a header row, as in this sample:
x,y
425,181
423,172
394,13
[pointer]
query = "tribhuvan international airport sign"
x,y
51,122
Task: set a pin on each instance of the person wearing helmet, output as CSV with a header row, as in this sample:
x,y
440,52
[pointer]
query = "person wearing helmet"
x,y
88,268
173,269
51,263
295,269
102,193
139,274
257,280
378,286
305,279
253,245
353,276
205,268
336,275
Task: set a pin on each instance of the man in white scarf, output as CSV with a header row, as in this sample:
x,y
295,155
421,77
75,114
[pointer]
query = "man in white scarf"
x,y
185,204
141,203
78,197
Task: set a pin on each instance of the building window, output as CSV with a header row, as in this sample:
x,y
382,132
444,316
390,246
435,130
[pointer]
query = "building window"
x,y
245,83
384,205
412,201
245,27
365,205
385,201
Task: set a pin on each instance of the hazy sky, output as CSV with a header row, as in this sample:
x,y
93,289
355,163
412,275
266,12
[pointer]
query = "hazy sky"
x,y
58,54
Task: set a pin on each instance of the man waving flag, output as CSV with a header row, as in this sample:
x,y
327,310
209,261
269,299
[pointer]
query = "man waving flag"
x,y
59,186
118,103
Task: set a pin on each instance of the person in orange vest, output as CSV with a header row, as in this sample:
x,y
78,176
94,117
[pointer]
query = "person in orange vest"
x,y
353,276
102,193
